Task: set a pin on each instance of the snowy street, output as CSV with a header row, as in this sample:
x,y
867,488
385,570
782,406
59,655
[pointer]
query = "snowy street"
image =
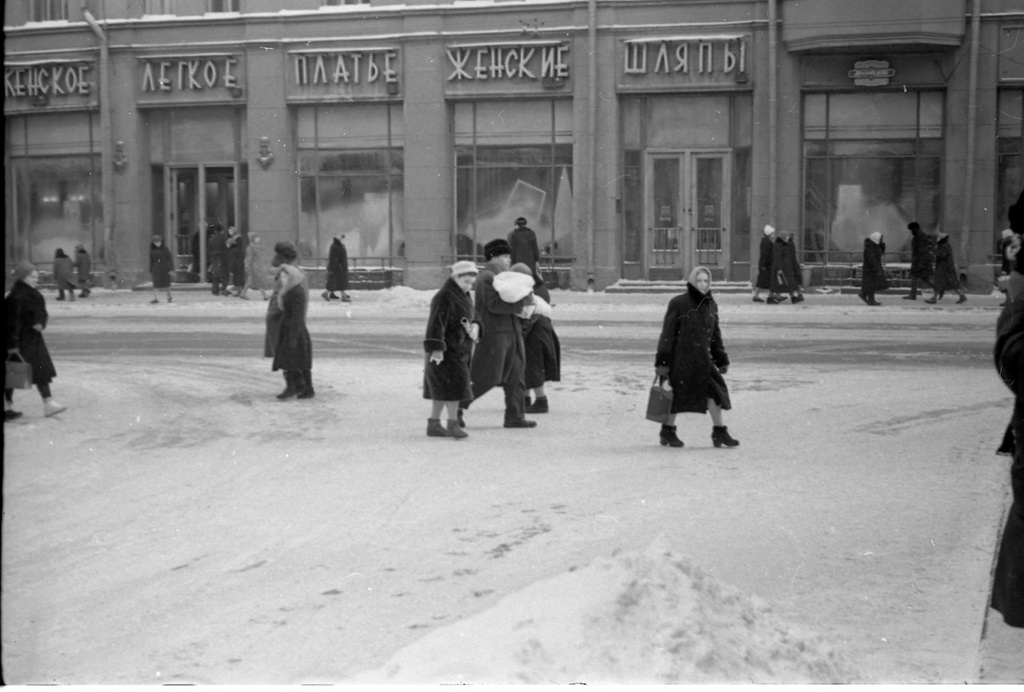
x,y
179,524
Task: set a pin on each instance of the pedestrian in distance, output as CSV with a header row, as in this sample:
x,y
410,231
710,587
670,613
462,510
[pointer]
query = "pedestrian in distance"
x,y
945,272
764,263
692,358
451,332
216,251
922,259
235,256
337,272
26,317
872,275
255,269
500,356
83,270
786,273
525,250
287,338
161,264
543,350
64,275
1008,578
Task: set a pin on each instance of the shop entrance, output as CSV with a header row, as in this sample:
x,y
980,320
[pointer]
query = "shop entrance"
x,y
687,213
199,199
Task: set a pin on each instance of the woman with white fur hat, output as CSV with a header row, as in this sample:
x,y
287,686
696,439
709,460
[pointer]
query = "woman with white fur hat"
x,y
543,350
764,263
451,332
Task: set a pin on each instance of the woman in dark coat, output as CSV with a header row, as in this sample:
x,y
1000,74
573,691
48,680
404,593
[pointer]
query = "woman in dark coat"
x,y
922,259
764,263
693,359
26,316
235,253
543,350
451,332
337,272
872,275
161,264
83,270
1008,582
64,274
945,271
786,275
287,339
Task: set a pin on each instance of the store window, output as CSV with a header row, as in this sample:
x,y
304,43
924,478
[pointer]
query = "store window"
x,y
872,162
1011,156
513,158
48,10
351,179
54,193
158,7
223,5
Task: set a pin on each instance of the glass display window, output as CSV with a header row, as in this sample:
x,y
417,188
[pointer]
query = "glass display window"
x,y
1010,173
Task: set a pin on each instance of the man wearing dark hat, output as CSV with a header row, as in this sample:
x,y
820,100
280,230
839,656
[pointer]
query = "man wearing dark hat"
x,y
500,355
287,340
922,259
523,242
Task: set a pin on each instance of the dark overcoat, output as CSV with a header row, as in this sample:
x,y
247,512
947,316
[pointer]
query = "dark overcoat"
x,y
161,263
64,273
873,271
922,255
287,340
449,379
500,355
216,250
25,307
764,264
337,267
543,350
235,255
523,242
785,268
691,347
1008,581
83,267
945,267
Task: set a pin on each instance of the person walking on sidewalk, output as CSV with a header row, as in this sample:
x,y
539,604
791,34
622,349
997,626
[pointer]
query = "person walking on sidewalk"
x,y
764,263
543,350
255,269
235,254
1008,579
83,268
26,316
692,357
525,250
161,264
451,333
945,272
786,274
922,259
872,274
500,356
337,272
287,339
216,254
64,275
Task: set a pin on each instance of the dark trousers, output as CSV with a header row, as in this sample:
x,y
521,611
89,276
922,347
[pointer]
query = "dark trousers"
x,y
515,391
917,281
44,391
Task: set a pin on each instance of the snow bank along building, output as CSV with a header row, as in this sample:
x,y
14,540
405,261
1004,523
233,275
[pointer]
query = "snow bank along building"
x,y
638,137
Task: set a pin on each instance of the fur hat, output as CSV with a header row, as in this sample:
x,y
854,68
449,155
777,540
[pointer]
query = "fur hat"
x,y
1007,233
513,286
23,269
286,250
876,237
498,246
521,268
79,248
914,226
521,221
464,267
769,229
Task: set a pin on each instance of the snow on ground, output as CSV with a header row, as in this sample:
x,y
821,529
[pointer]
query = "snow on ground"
x,y
179,525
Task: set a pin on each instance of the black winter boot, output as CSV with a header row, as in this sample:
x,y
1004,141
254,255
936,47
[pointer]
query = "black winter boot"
x,y
668,436
462,421
539,406
306,387
290,389
720,436
1007,445
435,429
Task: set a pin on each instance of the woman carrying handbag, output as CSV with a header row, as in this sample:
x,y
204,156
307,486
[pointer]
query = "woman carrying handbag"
x,y
25,308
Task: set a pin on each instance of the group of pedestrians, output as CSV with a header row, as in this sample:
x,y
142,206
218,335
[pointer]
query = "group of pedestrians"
x,y
931,264
72,274
778,269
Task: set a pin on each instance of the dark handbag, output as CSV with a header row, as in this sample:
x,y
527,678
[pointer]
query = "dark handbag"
x,y
659,403
18,373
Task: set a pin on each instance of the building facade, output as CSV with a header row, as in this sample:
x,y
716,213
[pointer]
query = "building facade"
x,y
638,137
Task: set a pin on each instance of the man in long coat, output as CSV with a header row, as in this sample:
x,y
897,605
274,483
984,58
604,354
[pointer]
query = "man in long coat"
x,y
523,242
337,271
786,276
216,250
500,356
872,275
287,340
922,259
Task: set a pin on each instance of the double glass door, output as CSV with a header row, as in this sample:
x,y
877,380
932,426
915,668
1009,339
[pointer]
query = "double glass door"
x,y
687,212
200,199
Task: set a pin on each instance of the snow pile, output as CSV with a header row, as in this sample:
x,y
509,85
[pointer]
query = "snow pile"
x,y
650,618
